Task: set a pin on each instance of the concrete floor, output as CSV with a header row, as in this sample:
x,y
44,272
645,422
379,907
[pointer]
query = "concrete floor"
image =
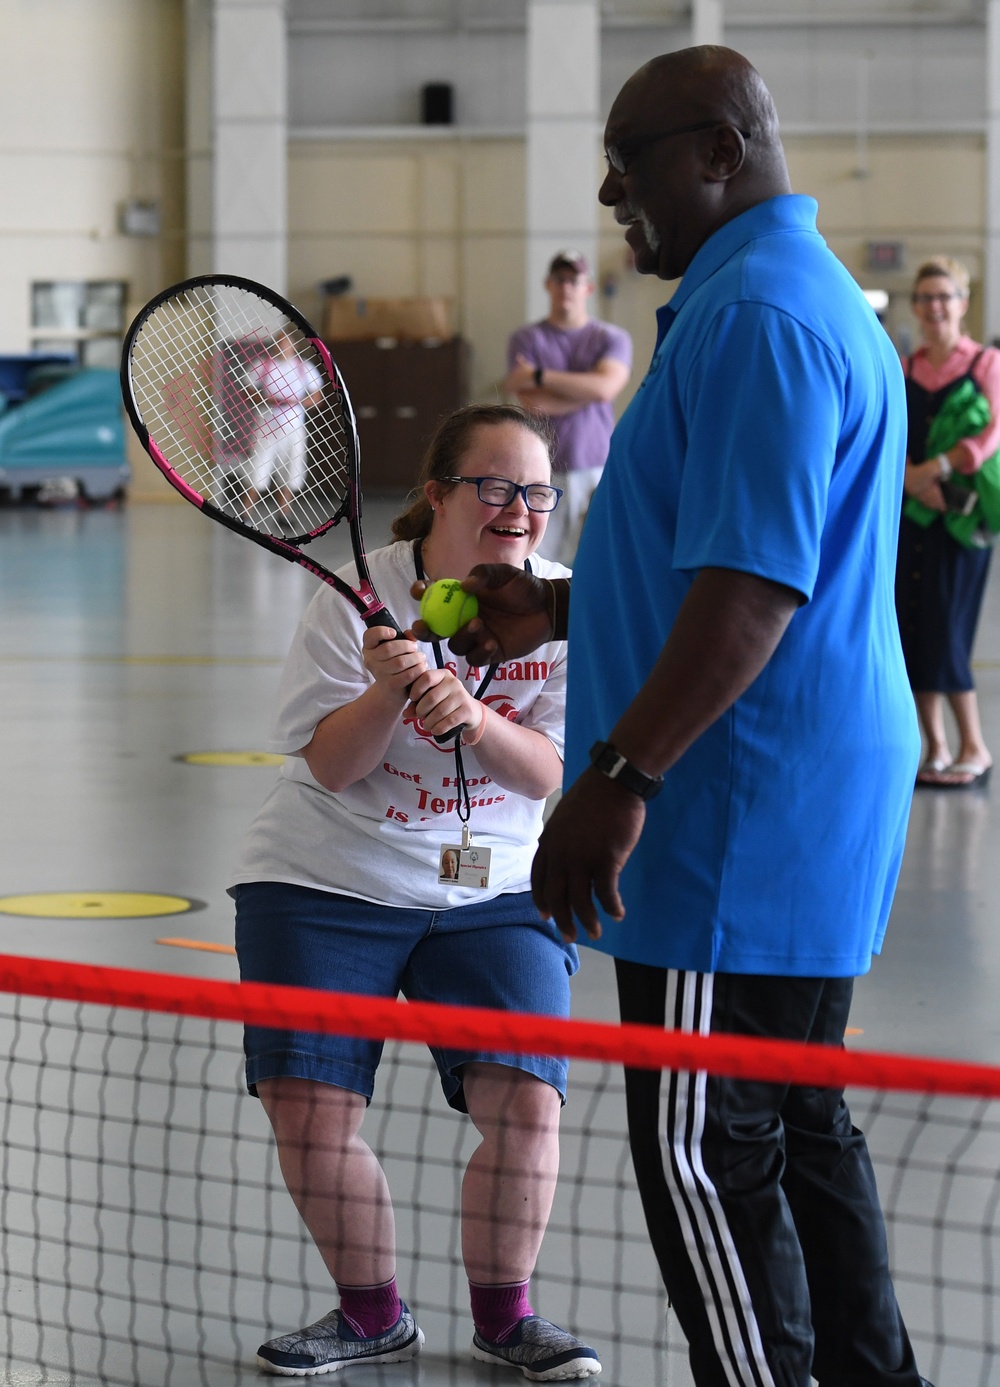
x,y
129,638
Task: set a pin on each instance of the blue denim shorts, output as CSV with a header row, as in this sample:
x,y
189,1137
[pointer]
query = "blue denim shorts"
x,y
495,954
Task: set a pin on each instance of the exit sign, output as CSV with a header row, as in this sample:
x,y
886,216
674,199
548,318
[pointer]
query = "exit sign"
x,y
884,255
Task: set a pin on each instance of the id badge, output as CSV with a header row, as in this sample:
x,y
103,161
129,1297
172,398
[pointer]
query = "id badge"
x,y
463,864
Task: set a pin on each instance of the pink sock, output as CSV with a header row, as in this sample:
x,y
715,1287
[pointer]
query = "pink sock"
x,y
498,1310
370,1310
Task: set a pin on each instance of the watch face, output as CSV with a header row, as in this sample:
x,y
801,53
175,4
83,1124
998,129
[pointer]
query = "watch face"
x,y
609,761
605,758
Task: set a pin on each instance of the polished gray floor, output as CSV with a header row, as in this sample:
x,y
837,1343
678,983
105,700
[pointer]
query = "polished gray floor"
x,y
129,638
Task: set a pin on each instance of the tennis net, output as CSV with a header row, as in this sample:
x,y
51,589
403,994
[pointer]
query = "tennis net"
x,y
148,1237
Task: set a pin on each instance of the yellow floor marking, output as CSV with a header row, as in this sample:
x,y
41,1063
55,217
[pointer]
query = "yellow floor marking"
x,y
231,758
203,944
95,905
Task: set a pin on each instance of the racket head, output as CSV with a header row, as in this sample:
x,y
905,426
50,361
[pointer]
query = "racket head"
x,y
238,403
240,406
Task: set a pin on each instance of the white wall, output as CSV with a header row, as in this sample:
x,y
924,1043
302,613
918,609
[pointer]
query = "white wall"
x,y
89,115
416,216
918,73
91,112
360,79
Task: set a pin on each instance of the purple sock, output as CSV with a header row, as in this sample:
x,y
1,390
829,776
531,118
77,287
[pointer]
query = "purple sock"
x,y
370,1310
498,1310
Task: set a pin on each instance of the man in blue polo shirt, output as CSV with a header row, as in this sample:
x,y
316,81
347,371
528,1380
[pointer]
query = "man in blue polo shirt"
x,y
741,741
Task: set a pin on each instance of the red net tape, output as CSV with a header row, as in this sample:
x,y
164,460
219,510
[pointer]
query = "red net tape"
x,y
641,1047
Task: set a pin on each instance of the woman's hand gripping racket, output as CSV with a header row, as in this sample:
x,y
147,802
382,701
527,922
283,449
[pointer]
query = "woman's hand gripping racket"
x,y
238,403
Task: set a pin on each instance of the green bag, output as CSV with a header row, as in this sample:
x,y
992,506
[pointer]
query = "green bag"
x,y
965,412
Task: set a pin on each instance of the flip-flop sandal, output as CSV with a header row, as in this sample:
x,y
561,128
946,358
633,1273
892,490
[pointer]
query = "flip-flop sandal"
x,y
932,768
978,773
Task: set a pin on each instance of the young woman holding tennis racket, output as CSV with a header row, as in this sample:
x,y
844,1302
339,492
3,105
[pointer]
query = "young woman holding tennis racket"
x,y
359,875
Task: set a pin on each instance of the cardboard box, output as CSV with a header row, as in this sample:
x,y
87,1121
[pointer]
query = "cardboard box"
x,y
408,320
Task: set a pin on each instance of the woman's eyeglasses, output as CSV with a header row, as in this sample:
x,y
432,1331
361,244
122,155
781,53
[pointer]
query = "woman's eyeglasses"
x,y
498,491
925,300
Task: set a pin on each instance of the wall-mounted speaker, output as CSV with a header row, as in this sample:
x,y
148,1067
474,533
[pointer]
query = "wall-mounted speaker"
x,y
437,103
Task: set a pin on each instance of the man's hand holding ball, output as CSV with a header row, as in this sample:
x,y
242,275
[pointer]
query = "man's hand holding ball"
x,y
518,612
445,607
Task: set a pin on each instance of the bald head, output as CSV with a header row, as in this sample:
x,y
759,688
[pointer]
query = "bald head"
x,y
692,141
713,83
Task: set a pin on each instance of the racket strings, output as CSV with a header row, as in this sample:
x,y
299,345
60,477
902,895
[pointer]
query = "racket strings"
x,y
239,403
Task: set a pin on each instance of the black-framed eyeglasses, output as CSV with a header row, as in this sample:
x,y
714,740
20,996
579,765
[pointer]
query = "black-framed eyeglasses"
x,y
498,491
618,155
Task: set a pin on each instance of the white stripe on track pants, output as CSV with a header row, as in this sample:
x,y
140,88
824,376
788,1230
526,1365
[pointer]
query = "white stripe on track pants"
x,y
759,1197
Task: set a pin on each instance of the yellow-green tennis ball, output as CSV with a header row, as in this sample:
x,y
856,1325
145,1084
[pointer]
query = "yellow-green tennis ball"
x,y
445,607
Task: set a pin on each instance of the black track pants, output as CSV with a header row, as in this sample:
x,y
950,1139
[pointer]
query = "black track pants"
x,y
760,1197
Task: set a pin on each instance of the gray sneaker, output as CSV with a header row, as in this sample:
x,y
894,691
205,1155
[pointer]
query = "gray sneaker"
x,y
328,1344
542,1351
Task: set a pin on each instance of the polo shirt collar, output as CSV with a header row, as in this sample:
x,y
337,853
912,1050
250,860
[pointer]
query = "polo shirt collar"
x,y
789,212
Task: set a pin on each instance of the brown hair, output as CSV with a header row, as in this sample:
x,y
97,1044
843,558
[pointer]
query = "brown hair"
x,y
444,456
950,269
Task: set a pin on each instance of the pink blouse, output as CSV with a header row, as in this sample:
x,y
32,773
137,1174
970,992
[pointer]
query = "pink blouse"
x,y
980,446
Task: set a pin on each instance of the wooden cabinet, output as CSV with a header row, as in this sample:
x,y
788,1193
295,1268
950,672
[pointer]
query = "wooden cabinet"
x,y
400,392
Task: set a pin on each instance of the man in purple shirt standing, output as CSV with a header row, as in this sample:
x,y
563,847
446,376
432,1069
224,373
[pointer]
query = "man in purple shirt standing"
x,y
568,368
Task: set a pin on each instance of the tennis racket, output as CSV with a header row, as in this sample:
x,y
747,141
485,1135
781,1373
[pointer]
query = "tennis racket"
x,y
240,406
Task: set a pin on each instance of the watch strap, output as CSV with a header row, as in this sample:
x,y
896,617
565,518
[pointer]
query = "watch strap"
x,y
610,762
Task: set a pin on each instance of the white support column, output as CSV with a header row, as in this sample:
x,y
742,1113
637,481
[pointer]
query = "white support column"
x,y
562,148
198,133
250,140
991,247
706,21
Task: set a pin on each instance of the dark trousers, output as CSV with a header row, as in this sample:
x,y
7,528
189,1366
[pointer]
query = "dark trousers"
x,y
760,1198
939,591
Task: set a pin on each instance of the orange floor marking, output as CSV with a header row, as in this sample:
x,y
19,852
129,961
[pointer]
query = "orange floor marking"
x,y
204,944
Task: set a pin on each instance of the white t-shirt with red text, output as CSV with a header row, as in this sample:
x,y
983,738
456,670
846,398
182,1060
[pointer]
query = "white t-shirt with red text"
x,y
284,382
381,838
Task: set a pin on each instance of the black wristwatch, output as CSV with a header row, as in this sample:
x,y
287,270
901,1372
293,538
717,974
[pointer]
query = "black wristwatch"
x,y
604,758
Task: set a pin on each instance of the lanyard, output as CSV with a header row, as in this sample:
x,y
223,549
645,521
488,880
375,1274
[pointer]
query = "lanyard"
x,y
464,810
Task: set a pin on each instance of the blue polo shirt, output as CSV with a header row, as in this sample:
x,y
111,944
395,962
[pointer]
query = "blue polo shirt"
x,y
768,437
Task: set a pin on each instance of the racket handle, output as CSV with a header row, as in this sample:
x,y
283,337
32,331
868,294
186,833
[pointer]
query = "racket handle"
x,y
386,618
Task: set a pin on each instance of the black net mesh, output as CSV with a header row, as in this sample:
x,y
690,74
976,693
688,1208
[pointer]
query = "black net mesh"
x,y
148,1236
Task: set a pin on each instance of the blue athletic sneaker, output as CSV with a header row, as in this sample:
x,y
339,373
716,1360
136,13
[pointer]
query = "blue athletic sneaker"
x,y
330,1344
542,1351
